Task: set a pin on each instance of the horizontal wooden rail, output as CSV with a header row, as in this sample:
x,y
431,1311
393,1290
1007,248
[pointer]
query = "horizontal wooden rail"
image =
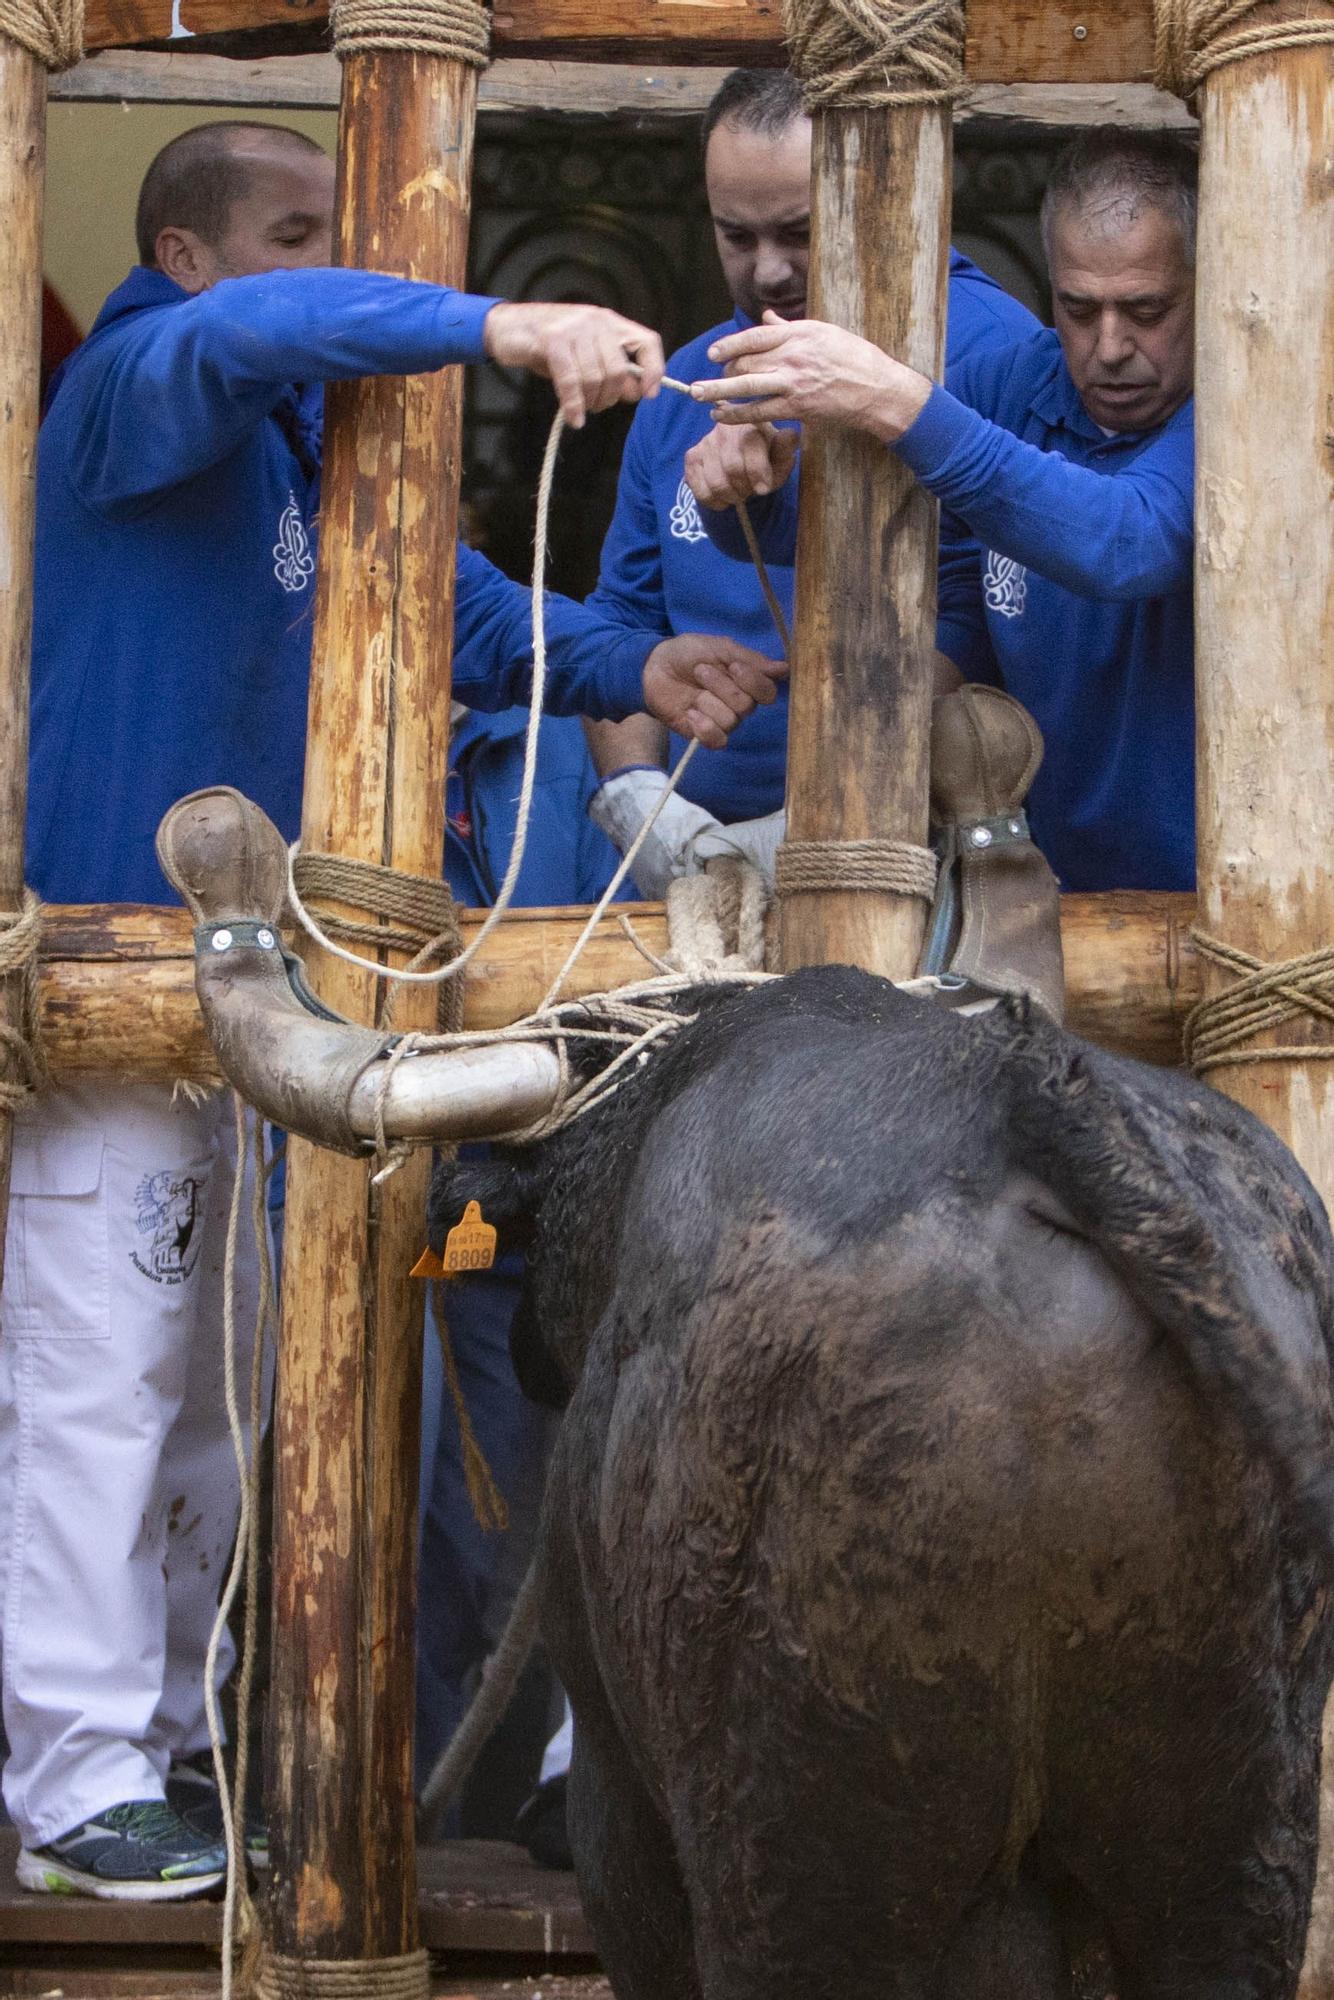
x,y
118,979
1009,41
312,83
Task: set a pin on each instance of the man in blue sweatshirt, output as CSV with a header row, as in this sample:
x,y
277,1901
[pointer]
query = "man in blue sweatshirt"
x,y
658,567
1067,469
178,487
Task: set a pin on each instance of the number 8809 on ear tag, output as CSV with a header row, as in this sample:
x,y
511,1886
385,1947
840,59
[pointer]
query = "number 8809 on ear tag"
x,y
470,1244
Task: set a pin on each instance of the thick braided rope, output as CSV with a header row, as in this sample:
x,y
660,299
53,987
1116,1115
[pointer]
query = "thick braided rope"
x,y
20,942
876,52
460,29
1193,38
405,1978
51,30
417,914
892,866
1218,1032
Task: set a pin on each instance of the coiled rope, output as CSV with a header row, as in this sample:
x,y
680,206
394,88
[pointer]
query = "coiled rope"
x,y
1219,1032
457,29
20,942
1193,38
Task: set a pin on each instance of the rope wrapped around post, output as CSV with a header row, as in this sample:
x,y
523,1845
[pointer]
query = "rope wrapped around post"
x,y
457,29
1218,1031
405,1978
876,52
1193,38
896,866
412,913
20,942
50,30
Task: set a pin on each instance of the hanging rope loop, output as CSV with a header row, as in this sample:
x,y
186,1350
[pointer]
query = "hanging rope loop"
x,y
1193,38
876,52
457,29
51,30
1219,1032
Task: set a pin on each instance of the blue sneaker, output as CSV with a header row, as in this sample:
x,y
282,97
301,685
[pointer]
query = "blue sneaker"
x,y
193,1791
138,1852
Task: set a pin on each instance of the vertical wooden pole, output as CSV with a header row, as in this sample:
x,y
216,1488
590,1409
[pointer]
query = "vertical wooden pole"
x,y
349,1384
864,633
1265,587
22,177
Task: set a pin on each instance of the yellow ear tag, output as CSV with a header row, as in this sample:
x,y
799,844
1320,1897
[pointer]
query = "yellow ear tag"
x,y
470,1244
428,1265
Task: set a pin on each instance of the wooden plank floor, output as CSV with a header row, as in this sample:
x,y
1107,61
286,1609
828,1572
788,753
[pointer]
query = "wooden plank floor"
x,y
477,1898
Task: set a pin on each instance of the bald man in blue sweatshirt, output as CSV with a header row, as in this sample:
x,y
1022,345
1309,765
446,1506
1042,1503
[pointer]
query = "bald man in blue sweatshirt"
x,y
177,502
1066,471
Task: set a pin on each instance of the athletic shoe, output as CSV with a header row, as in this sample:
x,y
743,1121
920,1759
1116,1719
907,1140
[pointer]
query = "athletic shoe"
x,y
138,1852
193,1790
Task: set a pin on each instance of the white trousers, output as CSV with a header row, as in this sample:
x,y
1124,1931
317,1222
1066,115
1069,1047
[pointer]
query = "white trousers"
x,y
118,1488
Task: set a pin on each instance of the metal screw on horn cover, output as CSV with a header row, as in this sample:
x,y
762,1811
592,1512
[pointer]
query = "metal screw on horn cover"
x,y
1014,826
1081,34
264,936
981,836
222,940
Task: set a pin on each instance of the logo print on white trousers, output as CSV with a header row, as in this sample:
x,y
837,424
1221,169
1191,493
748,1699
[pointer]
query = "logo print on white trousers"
x,y
293,564
167,1216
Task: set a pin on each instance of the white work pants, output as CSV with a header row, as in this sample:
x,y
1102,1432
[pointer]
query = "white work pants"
x,y
118,1489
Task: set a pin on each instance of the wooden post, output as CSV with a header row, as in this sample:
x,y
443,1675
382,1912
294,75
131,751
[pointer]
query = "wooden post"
x,y
864,633
22,176
349,1383
1265,587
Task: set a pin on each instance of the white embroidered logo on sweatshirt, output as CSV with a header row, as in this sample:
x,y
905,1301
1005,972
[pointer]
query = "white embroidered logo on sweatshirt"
x,y
1006,585
684,517
293,564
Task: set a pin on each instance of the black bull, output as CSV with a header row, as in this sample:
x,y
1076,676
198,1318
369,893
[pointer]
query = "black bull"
x,y
936,1541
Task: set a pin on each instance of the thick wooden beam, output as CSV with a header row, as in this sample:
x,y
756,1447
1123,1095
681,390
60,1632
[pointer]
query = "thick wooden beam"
x,y
1264,597
1009,41
22,177
863,637
349,1378
583,90
118,995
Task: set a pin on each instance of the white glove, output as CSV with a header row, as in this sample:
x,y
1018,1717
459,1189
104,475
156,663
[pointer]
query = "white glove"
x,y
753,840
620,808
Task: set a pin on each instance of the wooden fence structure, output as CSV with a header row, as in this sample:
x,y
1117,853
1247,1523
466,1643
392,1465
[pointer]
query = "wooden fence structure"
x,y
116,983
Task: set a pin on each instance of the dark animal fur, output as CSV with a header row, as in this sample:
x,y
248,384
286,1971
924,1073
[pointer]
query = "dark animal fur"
x,y
937,1537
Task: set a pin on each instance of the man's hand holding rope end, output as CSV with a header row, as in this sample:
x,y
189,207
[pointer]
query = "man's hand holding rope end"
x,y
591,356
703,686
805,370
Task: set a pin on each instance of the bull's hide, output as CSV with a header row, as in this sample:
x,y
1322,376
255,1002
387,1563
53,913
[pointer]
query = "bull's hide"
x,y
936,1539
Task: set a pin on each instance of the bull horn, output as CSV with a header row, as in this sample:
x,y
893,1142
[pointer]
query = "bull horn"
x,y
300,1064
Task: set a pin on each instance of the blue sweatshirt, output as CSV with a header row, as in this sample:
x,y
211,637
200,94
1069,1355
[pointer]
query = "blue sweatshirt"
x,y
566,858
177,494
660,570
1066,578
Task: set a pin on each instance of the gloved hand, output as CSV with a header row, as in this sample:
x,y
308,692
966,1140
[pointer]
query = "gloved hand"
x,y
753,840
624,802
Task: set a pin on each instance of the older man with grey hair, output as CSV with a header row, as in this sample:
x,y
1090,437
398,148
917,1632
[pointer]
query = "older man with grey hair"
x,y
1066,466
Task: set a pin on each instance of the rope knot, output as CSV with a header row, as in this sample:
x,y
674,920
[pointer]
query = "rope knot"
x,y
20,943
1193,38
51,30
894,867
876,52
1264,997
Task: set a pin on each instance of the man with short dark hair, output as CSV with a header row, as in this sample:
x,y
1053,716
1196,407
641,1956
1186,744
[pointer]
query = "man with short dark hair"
x,y
658,567
177,495
1067,467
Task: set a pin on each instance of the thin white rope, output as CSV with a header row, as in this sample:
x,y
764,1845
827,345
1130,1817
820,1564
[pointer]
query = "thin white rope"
x,y
240,1551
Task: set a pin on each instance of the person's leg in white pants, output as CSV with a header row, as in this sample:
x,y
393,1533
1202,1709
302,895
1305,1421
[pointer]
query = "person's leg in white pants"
x,y
118,1495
